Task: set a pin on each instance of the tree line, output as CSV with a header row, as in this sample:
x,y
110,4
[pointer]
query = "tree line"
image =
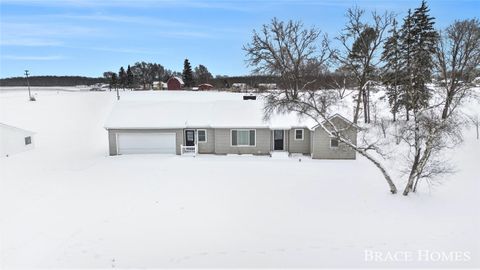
x,y
51,81
143,74
376,52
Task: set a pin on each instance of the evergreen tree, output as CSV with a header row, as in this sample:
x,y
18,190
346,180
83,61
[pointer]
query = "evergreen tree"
x,y
113,81
391,71
422,55
122,78
187,74
130,78
407,41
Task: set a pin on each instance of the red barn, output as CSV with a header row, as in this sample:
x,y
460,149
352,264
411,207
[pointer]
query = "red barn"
x,y
175,83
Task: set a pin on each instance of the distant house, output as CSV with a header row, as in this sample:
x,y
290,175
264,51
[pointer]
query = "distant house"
x,y
175,83
239,86
221,127
159,85
267,86
14,140
205,86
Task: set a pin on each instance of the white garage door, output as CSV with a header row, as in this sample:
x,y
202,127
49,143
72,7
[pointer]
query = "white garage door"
x,y
146,143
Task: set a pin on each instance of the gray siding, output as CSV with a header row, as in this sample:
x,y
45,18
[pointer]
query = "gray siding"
x,y
112,138
321,142
209,146
223,143
299,146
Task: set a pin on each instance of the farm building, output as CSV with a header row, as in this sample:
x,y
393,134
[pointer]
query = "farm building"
x,y
159,85
175,83
205,86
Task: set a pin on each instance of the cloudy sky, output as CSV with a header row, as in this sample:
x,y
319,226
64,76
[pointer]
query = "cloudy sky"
x,y
88,37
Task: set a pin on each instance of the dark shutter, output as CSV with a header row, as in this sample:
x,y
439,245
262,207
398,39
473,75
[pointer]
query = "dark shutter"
x,y
252,137
234,137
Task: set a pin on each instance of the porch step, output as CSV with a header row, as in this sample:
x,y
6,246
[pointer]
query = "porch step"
x,y
279,155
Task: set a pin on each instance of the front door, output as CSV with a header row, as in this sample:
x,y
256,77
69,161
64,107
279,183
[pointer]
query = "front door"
x,y
189,137
278,140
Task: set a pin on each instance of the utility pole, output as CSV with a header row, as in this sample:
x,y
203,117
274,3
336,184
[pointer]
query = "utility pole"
x,y
118,94
28,85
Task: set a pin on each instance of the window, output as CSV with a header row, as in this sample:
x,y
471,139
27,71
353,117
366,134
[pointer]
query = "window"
x,y
243,137
298,134
202,135
333,143
28,140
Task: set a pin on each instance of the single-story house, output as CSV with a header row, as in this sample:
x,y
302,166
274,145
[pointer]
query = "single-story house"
x,y
14,140
175,83
220,127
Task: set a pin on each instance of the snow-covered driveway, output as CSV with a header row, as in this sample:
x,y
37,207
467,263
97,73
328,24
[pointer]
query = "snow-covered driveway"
x,y
68,204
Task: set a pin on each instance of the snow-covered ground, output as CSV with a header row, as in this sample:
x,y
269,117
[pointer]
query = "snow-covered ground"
x,y
68,204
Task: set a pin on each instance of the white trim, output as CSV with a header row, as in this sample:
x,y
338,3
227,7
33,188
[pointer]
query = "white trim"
x,y
295,134
116,143
338,143
199,136
185,137
243,129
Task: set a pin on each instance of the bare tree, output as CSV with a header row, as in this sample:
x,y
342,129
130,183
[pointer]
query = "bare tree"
x,y
475,121
458,57
289,51
360,43
285,50
428,136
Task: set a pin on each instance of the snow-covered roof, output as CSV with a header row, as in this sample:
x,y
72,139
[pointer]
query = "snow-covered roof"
x,y
163,114
8,127
178,79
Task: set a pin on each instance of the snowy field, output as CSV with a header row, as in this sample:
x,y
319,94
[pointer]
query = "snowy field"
x,y
68,204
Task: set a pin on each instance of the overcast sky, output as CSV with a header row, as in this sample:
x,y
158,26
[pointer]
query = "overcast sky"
x,y
88,37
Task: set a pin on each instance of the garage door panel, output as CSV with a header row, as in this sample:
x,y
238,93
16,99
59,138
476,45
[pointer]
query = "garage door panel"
x,y
146,143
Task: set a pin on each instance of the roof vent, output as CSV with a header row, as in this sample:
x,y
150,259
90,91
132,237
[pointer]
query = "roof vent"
x,y
249,97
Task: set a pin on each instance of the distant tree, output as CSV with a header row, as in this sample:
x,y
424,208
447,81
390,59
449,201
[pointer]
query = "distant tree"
x,y
187,74
114,81
458,57
424,47
288,51
141,72
158,72
108,77
130,78
122,78
360,43
202,75
391,76
407,41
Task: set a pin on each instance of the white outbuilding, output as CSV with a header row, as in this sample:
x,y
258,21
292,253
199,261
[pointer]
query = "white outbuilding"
x,y
14,140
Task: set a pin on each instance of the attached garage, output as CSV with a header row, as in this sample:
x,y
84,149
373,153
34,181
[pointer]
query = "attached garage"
x,y
146,143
